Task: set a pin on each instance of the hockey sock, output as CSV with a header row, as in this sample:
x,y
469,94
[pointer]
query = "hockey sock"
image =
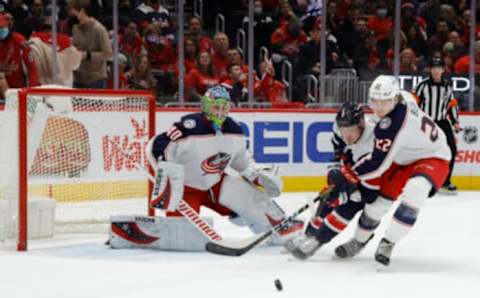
x,y
403,220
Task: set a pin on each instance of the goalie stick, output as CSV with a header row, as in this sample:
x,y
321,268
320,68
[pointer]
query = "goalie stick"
x,y
242,247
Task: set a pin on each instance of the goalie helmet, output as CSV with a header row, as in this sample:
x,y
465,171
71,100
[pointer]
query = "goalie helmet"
x,y
349,115
215,104
384,88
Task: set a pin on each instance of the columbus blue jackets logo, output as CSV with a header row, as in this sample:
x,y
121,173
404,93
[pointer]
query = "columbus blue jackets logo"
x,y
216,163
470,134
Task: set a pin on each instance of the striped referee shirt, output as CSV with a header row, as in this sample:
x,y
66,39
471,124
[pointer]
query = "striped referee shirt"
x,y
436,100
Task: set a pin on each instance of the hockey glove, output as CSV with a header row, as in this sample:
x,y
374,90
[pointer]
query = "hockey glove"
x,y
168,189
266,179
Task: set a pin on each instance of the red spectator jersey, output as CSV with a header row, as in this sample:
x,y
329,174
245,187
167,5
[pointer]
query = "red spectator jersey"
x,y
17,63
220,63
205,44
462,65
281,36
200,81
382,27
163,57
132,49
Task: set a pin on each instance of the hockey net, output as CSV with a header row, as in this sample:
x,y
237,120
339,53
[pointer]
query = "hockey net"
x,y
80,152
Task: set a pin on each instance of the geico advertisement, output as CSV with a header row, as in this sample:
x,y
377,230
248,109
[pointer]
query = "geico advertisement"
x,y
299,142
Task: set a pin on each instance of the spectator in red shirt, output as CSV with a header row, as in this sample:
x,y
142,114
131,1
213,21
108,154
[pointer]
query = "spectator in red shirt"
x,y
130,42
271,90
220,48
16,63
159,50
463,64
288,38
195,32
380,23
200,78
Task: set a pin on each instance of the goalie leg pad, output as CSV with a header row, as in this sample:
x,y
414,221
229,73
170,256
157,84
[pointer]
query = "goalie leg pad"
x,y
168,188
162,233
255,208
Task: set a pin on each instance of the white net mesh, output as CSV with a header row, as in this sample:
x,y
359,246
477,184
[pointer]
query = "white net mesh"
x,y
85,153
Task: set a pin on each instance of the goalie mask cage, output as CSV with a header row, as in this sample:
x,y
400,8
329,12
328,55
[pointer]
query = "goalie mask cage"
x,y
82,151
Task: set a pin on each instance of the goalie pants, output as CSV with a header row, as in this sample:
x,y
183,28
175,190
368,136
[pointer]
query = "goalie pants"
x,y
197,198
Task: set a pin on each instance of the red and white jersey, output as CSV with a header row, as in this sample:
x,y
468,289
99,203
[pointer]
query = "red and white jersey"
x,y
404,136
204,153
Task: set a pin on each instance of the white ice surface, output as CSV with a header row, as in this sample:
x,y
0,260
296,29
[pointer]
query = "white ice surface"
x,y
440,258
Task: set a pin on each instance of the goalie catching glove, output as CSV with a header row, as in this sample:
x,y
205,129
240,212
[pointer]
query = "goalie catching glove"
x,y
168,188
265,178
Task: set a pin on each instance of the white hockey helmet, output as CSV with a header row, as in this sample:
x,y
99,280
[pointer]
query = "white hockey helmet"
x,y
384,88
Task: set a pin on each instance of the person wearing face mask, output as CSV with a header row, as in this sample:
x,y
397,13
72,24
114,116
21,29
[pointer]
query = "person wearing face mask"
x,y
91,38
17,67
380,23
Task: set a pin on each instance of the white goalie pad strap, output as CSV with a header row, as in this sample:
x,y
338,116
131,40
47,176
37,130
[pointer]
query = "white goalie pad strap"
x,y
168,188
252,205
267,178
149,153
162,233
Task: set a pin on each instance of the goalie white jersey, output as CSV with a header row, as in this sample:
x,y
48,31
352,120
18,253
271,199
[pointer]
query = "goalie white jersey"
x,y
204,154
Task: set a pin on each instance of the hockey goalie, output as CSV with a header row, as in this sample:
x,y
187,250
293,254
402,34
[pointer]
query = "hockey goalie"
x,y
190,160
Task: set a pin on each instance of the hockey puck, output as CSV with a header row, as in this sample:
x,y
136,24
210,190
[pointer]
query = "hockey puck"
x,y
278,284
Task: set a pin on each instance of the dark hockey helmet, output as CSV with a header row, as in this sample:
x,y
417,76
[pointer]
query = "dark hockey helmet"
x,y
349,115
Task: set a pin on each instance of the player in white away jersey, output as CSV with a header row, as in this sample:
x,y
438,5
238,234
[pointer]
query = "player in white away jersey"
x,y
353,138
410,157
190,160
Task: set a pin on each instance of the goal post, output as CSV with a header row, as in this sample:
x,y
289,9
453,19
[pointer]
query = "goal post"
x,y
74,157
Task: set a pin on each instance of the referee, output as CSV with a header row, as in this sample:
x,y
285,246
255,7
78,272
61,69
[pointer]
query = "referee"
x,y
435,98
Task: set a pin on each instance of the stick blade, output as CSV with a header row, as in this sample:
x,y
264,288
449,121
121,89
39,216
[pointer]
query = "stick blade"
x,y
235,248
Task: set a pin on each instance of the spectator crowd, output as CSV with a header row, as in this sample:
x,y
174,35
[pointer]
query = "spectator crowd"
x,y
359,35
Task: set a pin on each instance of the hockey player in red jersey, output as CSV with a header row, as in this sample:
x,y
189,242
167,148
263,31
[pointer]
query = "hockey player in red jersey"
x,y
190,160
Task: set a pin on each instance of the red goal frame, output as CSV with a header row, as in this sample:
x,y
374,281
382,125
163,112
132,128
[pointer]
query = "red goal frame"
x,y
22,241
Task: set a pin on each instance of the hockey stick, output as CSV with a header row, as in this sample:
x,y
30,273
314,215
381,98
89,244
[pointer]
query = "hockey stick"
x,y
235,250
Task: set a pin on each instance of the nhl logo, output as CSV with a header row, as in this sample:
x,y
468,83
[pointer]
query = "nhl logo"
x,y
470,134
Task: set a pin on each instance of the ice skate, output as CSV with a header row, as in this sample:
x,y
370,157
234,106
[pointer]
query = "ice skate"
x,y
302,247
384,251
351,248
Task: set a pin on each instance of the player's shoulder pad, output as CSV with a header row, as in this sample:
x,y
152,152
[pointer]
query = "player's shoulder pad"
x,y
194,124
232,126
389,126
